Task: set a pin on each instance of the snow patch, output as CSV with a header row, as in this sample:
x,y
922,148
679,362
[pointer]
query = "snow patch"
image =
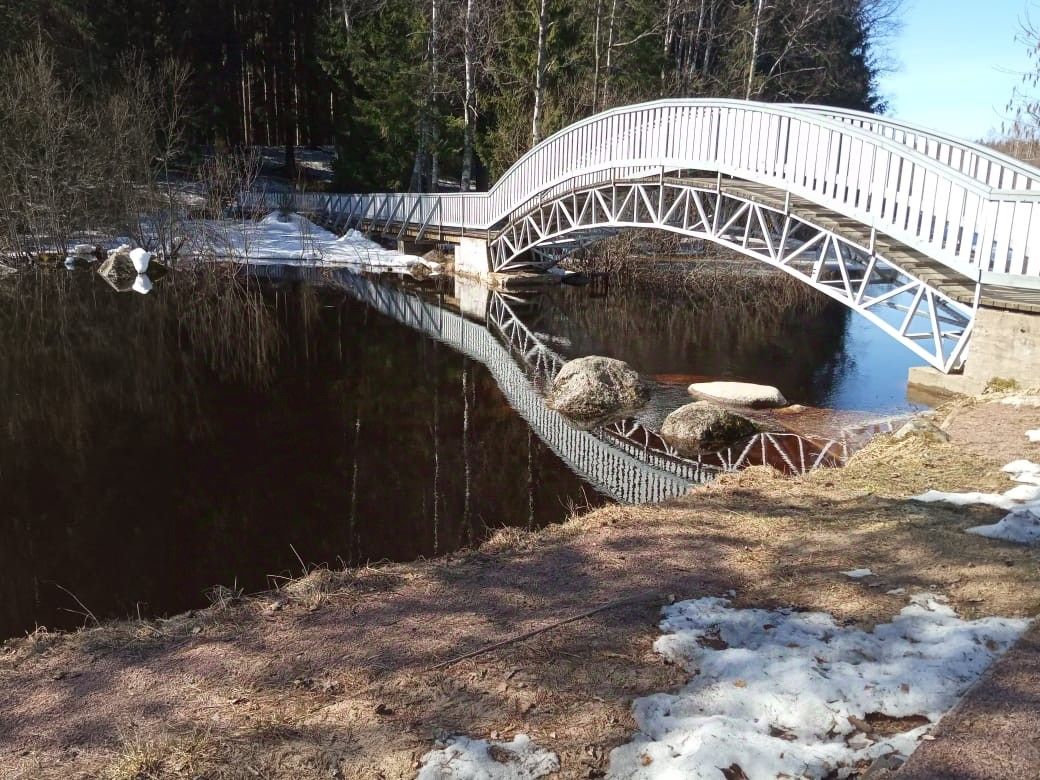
x,y
1021,400
858,574
1021,526
1033,435
477,759
1024,471
782,693
291,239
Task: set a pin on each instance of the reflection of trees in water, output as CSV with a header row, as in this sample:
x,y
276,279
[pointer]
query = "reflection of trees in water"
x,y
793,344
74,354
156,446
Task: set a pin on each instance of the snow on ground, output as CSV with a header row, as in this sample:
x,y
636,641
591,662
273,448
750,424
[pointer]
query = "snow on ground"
x,y
1023,471
858,574
1021,400
1022,523
477,759
792,694
1034,435
295,240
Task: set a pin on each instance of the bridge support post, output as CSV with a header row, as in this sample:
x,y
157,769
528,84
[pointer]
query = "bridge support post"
x,y
472,257
1005,345
407,247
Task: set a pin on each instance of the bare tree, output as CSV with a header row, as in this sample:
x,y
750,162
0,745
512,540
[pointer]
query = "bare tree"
x,y
75,160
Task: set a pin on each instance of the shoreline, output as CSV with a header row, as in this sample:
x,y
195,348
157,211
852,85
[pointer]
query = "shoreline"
x,y
345,671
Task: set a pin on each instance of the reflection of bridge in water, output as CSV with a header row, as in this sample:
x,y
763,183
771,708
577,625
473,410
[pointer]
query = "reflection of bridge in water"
x,y
624,460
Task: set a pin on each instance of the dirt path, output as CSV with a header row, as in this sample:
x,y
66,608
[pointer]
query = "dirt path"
x,y
333,676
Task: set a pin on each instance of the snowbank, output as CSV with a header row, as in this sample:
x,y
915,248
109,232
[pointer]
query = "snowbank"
x,y
781,693
1022,524
295,240
477,759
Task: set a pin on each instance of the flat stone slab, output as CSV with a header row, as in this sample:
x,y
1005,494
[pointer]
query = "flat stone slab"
x,y
739,394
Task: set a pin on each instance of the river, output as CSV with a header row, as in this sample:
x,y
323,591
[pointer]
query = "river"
x,y
229,429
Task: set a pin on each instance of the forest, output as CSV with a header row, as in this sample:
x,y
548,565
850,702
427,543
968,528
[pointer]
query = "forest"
x,y
446,94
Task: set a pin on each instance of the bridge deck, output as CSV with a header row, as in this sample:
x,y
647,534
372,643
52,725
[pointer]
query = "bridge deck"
x,y
957,286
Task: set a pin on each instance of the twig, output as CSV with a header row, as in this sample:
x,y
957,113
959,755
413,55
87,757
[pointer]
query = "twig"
x,y
527,635
85,609
302,564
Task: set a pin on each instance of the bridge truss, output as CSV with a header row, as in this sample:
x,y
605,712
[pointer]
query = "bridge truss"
x,y
901,303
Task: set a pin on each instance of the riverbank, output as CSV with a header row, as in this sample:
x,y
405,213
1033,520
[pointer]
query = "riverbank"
x,y
356,674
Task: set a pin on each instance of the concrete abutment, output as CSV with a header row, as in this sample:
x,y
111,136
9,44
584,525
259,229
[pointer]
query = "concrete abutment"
x,y
1005,345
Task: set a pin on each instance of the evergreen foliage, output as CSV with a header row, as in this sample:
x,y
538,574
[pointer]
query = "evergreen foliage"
x,y
386,80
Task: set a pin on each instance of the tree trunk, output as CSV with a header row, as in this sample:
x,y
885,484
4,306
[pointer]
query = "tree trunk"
x,y
468,112
709,44
595,47
756,29
539,72
611,26
666,46
287,89
435,166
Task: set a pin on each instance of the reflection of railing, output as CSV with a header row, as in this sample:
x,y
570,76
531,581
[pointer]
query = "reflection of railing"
x,y
624,459
609,469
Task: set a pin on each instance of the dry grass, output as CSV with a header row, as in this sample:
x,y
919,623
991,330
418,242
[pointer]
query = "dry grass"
x,y
333,675
157,758
894,468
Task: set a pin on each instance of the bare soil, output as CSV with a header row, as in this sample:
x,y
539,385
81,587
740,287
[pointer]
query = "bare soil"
x,y
353,674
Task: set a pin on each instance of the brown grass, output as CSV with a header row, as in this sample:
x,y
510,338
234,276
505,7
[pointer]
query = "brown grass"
x,y
333,675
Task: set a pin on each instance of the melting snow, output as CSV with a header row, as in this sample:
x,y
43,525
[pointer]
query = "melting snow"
x,y
1023,471
1022,524
293,239
477,759
782,693
858,574
1021,400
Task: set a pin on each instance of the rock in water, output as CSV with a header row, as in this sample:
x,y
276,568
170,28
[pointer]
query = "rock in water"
x,y
739,394
702,425
118,267
593,387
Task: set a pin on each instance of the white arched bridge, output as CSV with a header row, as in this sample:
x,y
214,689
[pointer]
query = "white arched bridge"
x,y
912,229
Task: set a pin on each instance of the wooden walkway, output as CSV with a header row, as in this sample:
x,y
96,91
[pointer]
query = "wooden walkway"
x,y
957,286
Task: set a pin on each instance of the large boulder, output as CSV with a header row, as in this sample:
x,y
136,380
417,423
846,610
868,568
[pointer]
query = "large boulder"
x,y
704,425
592,388
739,394
118,267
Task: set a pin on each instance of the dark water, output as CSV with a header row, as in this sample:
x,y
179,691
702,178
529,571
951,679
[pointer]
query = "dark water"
x,y
214,430
816,351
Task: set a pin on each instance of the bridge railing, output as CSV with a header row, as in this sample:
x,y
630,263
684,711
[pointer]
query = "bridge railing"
x,y
967,207
979,162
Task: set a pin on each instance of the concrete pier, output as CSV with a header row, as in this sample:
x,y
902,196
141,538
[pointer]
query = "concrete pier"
x,y
1005,345
472,257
